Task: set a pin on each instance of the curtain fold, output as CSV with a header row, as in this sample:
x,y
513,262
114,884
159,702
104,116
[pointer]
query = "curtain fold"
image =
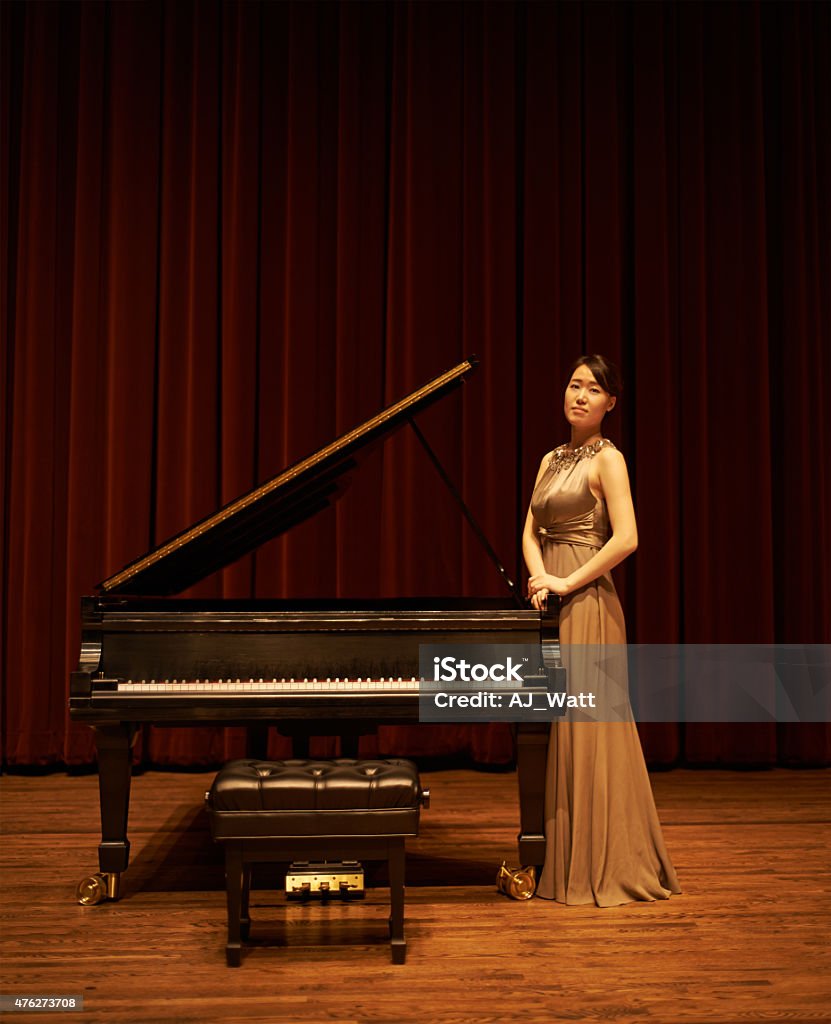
x,y
231,231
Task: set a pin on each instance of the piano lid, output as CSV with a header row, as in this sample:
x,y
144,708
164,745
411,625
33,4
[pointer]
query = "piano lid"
x,y
289,498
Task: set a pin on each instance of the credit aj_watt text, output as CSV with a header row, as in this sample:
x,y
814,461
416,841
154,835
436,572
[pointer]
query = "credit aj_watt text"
x,y
486,699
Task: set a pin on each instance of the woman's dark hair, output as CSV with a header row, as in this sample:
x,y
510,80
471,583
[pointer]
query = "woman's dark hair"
x,y
605,373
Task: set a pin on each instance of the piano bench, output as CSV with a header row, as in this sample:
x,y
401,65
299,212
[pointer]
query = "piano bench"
x,y
267,811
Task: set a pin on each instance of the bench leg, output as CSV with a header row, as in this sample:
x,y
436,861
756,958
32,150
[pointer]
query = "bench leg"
x,y
398,943
233,888
245,917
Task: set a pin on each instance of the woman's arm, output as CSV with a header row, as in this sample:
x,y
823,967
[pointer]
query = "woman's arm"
x,y
614,483
531,545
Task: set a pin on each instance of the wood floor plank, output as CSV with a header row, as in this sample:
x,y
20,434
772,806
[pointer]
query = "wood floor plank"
x,y
747,941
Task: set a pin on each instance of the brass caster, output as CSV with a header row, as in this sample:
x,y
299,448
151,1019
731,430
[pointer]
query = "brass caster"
x,y
92,890
99,887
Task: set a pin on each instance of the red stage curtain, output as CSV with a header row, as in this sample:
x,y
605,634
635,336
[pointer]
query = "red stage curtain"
x,y
232,231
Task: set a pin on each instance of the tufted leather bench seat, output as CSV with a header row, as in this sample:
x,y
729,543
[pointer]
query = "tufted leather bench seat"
x,y
346,808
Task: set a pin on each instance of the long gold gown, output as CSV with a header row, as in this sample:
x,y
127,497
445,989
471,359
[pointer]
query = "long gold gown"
x,y
604,843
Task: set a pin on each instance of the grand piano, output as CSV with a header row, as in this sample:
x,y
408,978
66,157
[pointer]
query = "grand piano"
x,y
325,667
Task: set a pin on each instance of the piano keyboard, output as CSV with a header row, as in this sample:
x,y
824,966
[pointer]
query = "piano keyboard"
x,y
270,687
293,687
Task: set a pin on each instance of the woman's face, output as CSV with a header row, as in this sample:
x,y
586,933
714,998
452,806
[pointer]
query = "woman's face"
x,y
586,403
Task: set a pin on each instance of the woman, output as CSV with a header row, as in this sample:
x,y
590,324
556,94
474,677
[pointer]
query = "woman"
x,y
603,839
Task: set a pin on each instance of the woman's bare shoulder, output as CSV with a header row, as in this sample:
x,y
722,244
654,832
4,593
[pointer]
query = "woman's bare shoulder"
x,y
610,468
611,455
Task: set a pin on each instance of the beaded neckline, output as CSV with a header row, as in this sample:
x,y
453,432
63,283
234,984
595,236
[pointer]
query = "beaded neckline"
x,y
565,456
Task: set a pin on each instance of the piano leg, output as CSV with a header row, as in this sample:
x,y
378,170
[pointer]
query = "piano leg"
x,y
114,772
531,758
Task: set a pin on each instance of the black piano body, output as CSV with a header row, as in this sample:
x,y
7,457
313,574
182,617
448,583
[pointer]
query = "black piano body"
x,y
327,667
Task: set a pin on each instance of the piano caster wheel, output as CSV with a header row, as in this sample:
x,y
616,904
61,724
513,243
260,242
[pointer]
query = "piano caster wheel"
x,y
97,888
92,890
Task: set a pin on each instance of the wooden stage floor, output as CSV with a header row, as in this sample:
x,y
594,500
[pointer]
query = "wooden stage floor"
x,y
747,940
